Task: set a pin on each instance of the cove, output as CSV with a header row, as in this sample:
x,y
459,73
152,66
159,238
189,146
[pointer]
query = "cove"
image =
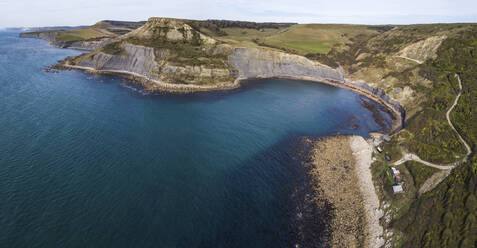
x,y
87,162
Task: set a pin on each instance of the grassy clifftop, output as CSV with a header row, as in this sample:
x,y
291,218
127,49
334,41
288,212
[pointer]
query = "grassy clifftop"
x,y
102,29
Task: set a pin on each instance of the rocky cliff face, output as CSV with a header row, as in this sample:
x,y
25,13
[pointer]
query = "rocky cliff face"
x,y
140,60
153,64
380,95
254,62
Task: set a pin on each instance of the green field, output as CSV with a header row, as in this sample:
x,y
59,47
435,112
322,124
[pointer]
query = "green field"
x,y
83,34
102,29
299,38
245,36
304,46
315,38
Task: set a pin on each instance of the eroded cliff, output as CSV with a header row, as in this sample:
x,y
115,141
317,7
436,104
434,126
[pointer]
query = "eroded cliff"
x,y
256,62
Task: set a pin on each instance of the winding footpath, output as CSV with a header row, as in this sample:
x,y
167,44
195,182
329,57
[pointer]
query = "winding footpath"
x,y
415,60
414,157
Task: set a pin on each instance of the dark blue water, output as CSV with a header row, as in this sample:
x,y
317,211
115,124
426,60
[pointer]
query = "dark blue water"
x,y
87,162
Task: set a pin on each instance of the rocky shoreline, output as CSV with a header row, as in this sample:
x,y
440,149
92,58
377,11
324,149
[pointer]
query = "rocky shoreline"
x,y
334,183
153,85
336,202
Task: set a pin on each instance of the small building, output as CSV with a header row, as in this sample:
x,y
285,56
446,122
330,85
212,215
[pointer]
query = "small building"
x,y
386,138
397,189
379,149
396,175
377,141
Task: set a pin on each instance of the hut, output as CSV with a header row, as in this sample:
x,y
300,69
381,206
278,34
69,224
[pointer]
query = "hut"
x,y
397,189
379,149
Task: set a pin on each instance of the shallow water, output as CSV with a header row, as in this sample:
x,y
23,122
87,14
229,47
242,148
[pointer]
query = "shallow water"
x,y
88,162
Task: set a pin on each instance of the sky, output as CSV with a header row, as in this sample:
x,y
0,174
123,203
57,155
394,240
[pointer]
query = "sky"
x,y
36,13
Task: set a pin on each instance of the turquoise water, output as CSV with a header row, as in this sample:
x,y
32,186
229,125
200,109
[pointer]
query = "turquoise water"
x,y
87,162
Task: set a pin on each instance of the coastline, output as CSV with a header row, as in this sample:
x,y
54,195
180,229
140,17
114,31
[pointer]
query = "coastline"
x,y
157,86
152,84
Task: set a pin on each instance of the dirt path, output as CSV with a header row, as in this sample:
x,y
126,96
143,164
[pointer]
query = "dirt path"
x,y
414,157
438,177
469,150
415,60
433,181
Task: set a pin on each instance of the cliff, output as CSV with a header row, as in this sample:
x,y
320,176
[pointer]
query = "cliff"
x,y
85,38
139,60
51,36
44,35
156,67
255,62
171,51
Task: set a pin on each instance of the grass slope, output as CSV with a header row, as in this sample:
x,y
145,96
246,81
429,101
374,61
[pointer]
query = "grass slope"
x,y
102,29
446,216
